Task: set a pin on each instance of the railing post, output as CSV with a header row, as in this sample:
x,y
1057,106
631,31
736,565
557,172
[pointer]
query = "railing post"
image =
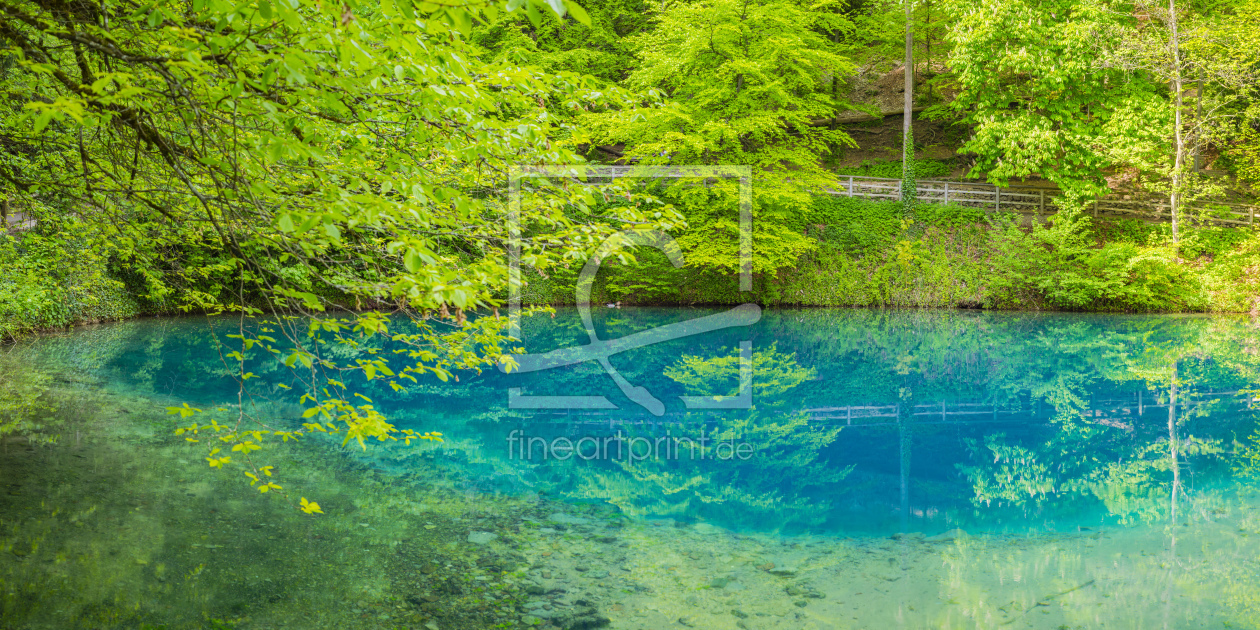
x,y
1095,208
850,185
997,199
946,192
1251,212
1041,202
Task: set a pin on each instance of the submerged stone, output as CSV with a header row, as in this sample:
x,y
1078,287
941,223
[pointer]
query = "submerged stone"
x,y
949,536
481,538
581,618
568,519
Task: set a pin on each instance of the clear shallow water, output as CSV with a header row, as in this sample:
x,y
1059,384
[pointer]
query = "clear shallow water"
x,y
900,469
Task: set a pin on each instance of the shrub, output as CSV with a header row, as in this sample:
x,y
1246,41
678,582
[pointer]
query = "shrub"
x,y
853,225
1062,267
1232,283
54,283
949,215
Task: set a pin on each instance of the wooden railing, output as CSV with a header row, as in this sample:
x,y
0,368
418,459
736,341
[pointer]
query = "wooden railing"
x,y
1038,201
1029,200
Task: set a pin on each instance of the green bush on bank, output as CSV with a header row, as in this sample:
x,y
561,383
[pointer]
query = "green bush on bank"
x,y
63,273
949,256
1063,266
1232,281
54,283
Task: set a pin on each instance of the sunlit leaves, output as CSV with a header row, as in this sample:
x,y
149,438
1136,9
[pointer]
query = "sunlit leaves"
x,y
184,411
748,84
218,462
246,447
310,507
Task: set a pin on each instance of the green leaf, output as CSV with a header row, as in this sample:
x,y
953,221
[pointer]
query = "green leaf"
x,y
531,12
578,12
460,19
411,261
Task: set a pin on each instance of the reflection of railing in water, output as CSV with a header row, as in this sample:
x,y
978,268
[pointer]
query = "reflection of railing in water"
x,y
1110,412
1113,412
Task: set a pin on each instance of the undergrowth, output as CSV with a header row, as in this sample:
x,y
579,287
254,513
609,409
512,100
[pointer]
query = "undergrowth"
x,y
867,253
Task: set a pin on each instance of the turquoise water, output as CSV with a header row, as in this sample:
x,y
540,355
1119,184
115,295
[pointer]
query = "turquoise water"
x,y
890,469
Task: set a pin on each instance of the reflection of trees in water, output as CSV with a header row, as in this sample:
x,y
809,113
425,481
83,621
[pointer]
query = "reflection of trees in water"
x,y
44,381
774,374
769,489
806,359
26,407
1136,472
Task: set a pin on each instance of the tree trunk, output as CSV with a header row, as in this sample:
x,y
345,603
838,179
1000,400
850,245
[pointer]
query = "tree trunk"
x,y
905,412
907,137
927,46
1172,444
1198,124
1179,161
835,87
909,102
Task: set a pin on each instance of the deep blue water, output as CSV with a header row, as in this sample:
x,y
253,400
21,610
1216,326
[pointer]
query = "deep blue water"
x,y
861,422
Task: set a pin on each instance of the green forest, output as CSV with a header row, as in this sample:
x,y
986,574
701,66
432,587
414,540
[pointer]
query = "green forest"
x,y
209,156
335,225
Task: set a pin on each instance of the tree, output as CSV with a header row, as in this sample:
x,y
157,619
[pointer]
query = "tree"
x,y
909,193
747,82
297,158
562,43
1027,77
1178,80
1223,53
1178,46
1153,46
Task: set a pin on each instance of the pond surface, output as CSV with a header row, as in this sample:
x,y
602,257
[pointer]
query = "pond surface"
x,y
866,469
